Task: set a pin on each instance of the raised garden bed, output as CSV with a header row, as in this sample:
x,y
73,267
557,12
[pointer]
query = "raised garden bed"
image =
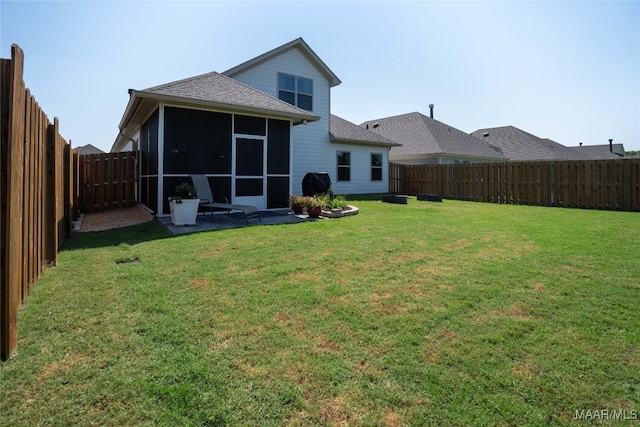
x,y
394,198
429,197
337,213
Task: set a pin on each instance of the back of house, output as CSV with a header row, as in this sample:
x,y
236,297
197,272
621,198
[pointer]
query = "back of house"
x,y
295,74
255,131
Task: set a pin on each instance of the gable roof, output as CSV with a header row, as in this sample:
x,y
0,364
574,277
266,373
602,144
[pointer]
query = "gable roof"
x,y
211,90
343,131
517,144
423,136
601,152
299,44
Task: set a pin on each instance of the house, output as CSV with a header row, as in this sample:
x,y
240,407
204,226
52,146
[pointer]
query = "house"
x,y
254,130
425,140
357,164
518,145
609,151
88,149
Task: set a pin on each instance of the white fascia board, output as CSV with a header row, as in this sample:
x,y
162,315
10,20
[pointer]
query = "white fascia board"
x,y
298,43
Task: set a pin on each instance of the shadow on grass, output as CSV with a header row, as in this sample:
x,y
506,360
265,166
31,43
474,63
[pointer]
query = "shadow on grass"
x,y
152,230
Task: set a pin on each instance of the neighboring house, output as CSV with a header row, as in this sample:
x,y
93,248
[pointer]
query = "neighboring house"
x,y
518,145
601,152
254,130
88,149
425,140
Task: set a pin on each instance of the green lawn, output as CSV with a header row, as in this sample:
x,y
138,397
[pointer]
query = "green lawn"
x,y
449,313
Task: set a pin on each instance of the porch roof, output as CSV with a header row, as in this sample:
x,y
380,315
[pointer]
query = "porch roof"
x,y
211,90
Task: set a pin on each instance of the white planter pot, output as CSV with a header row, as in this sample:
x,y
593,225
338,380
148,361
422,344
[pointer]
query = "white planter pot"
x,y
184,213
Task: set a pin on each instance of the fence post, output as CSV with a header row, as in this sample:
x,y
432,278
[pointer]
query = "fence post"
x,y
67,179
75,167
50,208
12,243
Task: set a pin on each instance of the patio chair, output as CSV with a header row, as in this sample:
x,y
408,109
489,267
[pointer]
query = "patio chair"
x,y
203,189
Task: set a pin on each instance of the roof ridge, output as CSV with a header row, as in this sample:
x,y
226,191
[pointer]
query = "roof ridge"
x,y
187,79
389,117
427,128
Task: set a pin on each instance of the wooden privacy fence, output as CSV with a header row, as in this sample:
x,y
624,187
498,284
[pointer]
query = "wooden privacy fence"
x,y
40,182
596,184
37,194
107,181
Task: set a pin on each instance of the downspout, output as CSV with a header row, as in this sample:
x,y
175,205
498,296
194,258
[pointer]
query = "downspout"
x,y
135,143
137,166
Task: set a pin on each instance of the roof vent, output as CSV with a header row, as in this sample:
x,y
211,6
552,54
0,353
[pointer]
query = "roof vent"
x,y
431,110
486,134
375,125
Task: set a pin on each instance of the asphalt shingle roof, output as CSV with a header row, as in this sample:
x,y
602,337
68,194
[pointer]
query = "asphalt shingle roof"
x,y
215,88
517,144
420,135
601,152
345,131
89,149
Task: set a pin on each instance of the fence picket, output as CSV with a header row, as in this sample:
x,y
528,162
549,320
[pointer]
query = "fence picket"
x,y
12,250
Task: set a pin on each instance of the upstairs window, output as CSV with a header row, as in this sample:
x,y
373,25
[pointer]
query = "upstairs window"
x,y
296,91
344,165
376,167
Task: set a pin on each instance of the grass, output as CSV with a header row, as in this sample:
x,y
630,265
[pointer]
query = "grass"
x,y
421,314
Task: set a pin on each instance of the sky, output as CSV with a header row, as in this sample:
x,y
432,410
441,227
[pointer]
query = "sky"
x,y
564,70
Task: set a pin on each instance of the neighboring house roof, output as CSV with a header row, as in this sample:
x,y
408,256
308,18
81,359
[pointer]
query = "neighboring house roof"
x,y
601,152
299,44
88,149
343,131
212,90
423,136
517,144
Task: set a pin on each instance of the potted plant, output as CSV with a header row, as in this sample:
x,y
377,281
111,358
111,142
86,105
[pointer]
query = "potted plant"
x,y
184,205
314,207
297,203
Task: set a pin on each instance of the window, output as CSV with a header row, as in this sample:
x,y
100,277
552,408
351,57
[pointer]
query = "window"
x,y
344,165
296,91
376,167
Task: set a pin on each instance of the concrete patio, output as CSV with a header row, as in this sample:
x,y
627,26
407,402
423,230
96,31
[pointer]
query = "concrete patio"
x,y
222,221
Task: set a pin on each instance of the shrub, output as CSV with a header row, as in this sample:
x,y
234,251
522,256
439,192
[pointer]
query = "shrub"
x,y
333,202
183,191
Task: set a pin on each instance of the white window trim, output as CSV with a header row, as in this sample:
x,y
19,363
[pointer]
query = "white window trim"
x,y
338,166
376,167
295,91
